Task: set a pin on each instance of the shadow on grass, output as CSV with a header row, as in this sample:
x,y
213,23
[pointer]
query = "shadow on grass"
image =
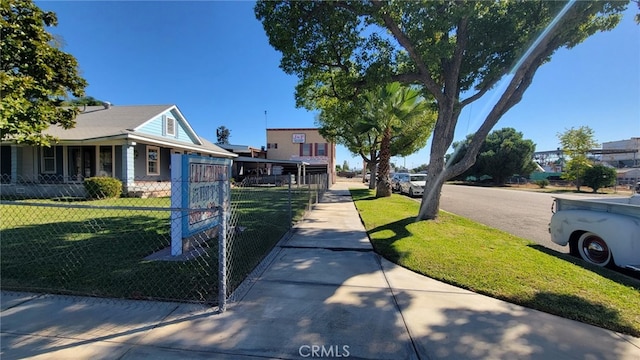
x,y
362,194
577,308
384,246
102,256
621,276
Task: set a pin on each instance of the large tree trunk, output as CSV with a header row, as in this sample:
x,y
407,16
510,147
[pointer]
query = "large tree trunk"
x,y
383,187
441,140
430,204
372,166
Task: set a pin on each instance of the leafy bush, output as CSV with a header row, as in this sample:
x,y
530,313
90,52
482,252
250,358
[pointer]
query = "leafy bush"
x,y
542,183
599,176
102,187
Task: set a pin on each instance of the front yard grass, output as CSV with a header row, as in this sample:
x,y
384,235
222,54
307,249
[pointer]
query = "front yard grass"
x,y
101,252
469,255
98,252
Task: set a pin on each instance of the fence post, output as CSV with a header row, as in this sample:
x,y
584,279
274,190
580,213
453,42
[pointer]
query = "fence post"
x,y
317,183
308,196
222,254
290,205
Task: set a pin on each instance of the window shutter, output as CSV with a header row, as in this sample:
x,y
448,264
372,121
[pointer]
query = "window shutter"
x,y
301,148
171,126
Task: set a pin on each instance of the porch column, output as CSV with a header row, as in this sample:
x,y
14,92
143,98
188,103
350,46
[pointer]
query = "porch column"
x,y
14,164
304,174
128,160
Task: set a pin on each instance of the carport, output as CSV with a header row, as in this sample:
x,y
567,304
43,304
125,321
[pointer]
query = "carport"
x,y
244,166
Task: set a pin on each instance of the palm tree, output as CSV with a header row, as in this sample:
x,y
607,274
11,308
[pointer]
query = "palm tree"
x,y
404,119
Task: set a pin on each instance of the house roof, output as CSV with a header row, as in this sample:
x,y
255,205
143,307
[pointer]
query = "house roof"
x,y
97,122
237,148
122,122
292,129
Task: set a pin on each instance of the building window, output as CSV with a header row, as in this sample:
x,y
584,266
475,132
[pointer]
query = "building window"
x,y
48,160
171,126
153,160
321,149
305,149
272,146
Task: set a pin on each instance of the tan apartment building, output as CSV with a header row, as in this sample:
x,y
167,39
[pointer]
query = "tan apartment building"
x,y
306,145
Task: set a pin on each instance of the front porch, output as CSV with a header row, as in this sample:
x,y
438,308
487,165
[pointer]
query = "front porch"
x,y
25,189
149,189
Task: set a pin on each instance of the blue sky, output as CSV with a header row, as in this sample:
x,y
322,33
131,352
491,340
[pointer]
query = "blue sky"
x,y
213,60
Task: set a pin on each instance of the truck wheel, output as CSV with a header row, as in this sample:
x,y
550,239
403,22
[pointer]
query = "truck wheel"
x,y
593,249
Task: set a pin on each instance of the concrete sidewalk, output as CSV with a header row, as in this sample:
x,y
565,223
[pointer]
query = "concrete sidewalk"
x,y
324,293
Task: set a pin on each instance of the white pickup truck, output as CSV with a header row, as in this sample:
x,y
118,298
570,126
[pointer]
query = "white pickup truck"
x,y
603,231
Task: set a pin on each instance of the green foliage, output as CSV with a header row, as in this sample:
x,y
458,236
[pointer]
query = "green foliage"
x,y
503,153
35,75
576,143
599,176
404,120
345,166
420,168
341,49
102,187
85,100
223,134
542,183
378,124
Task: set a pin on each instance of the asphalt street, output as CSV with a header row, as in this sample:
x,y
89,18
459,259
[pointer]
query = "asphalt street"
x,y
522,213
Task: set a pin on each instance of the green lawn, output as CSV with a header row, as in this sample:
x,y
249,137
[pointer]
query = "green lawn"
x,y
101,252
488,261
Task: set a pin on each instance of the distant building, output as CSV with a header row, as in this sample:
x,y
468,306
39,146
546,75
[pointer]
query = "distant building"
x,y
244,150
629,176
306,145
622,153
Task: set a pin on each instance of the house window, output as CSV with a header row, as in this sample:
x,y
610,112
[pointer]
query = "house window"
x,y
105,166
48,160
171,126
153,160
321,149
305,149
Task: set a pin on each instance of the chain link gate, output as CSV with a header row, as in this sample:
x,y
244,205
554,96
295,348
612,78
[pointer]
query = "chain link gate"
x,y
53,239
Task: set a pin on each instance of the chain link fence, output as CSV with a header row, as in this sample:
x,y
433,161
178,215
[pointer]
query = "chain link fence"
x,y
54,238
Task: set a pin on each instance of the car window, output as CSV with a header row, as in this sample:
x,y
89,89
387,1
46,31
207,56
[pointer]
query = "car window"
x,y
418,177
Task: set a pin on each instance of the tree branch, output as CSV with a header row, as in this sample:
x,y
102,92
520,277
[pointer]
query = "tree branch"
x,y
521,80
480,93
452,75
424,73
